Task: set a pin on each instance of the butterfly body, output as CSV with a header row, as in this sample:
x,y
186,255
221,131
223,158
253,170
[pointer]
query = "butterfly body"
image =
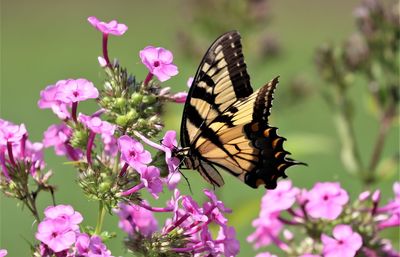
x,y
225,123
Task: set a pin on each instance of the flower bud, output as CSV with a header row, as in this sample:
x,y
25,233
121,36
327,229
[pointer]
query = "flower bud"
x,y
149,99
120,102
136,98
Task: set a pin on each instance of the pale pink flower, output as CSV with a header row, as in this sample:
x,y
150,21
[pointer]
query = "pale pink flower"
x,y
284,194
345,242
102,61
326,200
12,133
3,252
57,136
64,212
91,246
159,62
230,246
112,27
76,90
96,125
266,254
150,177
180,97
56,234
48,100
310,255
268,228
168,144
133,152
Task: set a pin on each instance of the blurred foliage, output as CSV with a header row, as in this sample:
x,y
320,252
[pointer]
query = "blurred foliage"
x,y
372,52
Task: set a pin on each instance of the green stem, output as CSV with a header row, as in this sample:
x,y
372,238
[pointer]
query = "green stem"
x,y
100,218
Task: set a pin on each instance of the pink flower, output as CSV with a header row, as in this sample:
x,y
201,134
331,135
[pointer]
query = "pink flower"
x,y
215,208
266,254
310,255
91,246
230,245
326,200
3,252
110,145
76,90
284,194
48,100
96,125
56,234
59,136
134,218
150,177
344,244
180,97
168,144
113,27
193,209
133,152
189,82
64,212
391,210
159,62
11,133
268,228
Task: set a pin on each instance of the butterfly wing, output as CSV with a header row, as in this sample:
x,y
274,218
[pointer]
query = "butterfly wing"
x,y
247,146
220,81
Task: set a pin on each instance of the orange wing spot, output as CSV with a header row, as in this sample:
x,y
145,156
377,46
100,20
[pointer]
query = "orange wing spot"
x,y
254,127
275,142
266,132
282,166
259,182
278,154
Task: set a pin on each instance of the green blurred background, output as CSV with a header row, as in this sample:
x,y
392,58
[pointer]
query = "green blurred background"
x,y
44,41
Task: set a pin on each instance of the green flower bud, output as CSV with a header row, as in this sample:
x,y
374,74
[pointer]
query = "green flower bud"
x,y
149,110
132,114
122,120
120,102
104,187
136,98
149,99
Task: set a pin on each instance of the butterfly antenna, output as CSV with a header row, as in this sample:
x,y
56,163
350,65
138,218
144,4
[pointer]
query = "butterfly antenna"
x,y
183,175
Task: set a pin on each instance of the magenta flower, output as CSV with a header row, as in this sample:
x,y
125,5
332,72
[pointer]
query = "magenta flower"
x,y
91,247
64,212
48,100
310,255
344,244
284,194
159,62
76,90
230,245
215,208
193,209
96,125
134,218
133,153
3,252
56,234
168,144
12,133
326,200
59,136
268,228
180,97
112,27
391,211
150,177
110,145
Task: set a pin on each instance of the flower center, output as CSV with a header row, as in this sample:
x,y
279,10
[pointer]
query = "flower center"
x,y
54,234
132,154
75,93
340,242
325,198
156,64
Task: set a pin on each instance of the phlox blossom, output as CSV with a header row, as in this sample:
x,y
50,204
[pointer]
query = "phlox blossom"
x,y
112,27
133,152
76,90
326,200
344,244
159,62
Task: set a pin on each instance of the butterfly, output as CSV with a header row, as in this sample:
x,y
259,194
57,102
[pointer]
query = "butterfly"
x,y
225,123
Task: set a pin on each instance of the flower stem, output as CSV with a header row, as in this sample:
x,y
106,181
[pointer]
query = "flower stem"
x,y
74,110
100,218
154,209
92,135
148,78
133,189
10,153
123,170
105,49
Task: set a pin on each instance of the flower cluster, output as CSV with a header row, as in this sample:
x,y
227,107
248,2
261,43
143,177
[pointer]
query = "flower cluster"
x,y
187,233
333,226
60,235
